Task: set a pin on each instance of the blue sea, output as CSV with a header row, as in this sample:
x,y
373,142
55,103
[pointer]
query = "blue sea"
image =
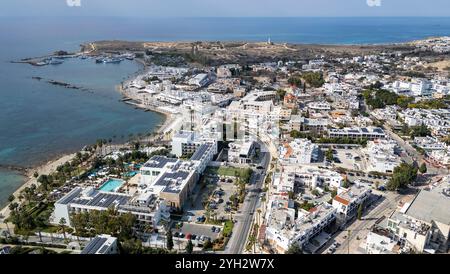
x,y
39,121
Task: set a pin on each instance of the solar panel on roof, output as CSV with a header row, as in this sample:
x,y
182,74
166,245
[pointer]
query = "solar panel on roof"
x,y
94,245
103,249
198,154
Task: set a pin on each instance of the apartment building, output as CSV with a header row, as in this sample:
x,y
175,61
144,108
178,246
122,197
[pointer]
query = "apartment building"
x,y
423,226
299,151
347,201
283,229
381,157
369,133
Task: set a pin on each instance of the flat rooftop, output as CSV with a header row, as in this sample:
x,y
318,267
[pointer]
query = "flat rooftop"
x,y
200,151
99,245
173,181
94,198
159,162
431,205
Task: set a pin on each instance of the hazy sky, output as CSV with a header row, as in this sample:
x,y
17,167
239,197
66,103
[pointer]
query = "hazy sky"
x,y
225,8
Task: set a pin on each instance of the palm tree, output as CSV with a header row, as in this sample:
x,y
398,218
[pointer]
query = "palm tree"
x,y
5,221
259,216
62,223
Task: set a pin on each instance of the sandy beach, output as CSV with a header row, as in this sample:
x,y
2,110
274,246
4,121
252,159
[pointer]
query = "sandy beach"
x,y
47,168
52,165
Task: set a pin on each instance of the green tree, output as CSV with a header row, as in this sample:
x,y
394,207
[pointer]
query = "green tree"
x,y
420,131
360,211
423,168
402,176
62,224
404,101
281,93
294,249
189,247
131,246
169,239
207,245
329,155
295,81
314,79
346,183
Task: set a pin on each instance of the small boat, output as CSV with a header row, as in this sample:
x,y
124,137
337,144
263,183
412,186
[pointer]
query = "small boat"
x,y
112,60
54,61
108,60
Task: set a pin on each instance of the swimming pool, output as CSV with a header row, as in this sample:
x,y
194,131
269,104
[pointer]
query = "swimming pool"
x,y
112,185
131,173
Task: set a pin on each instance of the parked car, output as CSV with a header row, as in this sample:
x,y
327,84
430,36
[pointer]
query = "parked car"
x,y
176,234
201,219
213,228
181,235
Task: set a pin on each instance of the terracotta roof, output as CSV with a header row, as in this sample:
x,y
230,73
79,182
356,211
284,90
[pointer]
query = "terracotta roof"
x,y
313,210
289,151
341,200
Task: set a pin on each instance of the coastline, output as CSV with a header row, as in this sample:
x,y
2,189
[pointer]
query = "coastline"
x,y
168,117
46,168
51,165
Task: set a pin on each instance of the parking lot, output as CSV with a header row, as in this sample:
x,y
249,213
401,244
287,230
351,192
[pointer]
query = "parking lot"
x,y
196,231
350,159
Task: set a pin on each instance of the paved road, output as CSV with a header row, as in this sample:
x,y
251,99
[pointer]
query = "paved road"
x,y
411,153
360,228
245,219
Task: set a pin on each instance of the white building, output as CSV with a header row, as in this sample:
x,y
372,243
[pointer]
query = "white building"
x,y
423,225
259,102
299,151
284,230
102,244
241,153
347,201
308,176
381,156
89,199
418,87
429,143
319,106
370,133
380,242
200,80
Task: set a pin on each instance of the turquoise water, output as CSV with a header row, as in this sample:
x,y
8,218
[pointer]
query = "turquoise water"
x,y
9,182
112,185
39,121
131,173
